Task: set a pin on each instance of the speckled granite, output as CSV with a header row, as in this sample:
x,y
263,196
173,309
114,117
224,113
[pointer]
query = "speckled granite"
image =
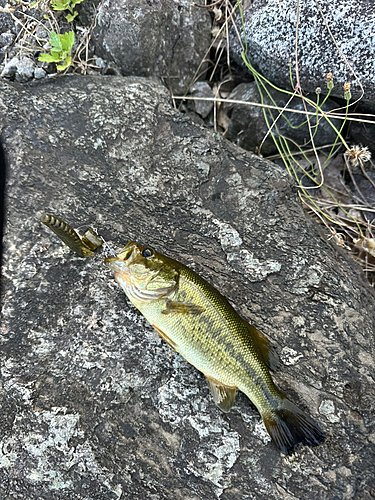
x,y
271,25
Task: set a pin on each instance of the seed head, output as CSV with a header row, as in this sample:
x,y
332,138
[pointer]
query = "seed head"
x,y
357,154
347,93
329,81
366,244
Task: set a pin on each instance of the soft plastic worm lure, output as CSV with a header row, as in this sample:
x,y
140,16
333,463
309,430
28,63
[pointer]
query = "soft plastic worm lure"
x,y
84,247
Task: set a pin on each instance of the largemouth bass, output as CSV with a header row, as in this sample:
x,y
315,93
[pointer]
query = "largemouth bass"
x,y
200,324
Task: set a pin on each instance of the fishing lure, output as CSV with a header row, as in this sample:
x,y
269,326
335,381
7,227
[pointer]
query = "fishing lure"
x,y
84,246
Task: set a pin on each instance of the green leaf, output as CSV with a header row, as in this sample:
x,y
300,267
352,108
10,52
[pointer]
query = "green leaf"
x,y
55,41
74,2
57,54
66,63
70,17
60,5
61,48
48,58
33,5
67,41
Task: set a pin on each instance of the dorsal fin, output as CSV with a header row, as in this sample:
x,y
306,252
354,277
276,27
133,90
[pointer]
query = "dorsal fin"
x,y
265,349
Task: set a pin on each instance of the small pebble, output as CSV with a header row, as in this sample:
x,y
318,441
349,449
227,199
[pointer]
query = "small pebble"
x,y
39,73
99,62
41,32
25,70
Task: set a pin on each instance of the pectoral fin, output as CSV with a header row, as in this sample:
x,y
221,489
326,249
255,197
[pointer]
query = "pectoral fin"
x,y
165,337
265,349
182,308
223,395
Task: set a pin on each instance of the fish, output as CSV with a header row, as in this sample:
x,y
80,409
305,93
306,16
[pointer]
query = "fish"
x,y
200,324
83,247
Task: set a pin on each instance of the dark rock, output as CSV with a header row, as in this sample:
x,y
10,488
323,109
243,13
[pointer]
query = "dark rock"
x,y
270,27
364,133
7,24
146,38
247,126
94,405
364,188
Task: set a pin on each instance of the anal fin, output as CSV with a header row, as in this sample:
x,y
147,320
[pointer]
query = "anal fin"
x,y
223,394
165,337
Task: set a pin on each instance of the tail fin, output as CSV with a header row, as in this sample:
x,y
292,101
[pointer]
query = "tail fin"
x,y
289,426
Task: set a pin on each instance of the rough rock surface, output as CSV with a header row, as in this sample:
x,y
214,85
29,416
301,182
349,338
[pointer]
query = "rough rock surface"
x,y
166,38
94,405
247,127
270,27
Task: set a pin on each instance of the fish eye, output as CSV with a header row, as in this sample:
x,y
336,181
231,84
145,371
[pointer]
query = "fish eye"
x,y
147,252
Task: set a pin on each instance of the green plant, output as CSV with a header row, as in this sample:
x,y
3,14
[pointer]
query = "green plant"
x,y
61,49
66,5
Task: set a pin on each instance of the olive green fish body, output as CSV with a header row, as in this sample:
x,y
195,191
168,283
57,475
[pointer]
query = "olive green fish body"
x,y
215,340
200,324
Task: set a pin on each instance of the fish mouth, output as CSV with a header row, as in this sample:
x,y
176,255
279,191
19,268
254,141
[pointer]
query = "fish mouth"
x,y
115,264
121,262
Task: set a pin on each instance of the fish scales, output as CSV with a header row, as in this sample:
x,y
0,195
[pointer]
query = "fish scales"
x,y
217,344
199,323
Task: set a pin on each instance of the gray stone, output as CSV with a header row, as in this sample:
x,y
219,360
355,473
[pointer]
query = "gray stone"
x,y
39,73
270,27
247,126
6,39
25,70
167,39
99,62
201,89
94,405
10,68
